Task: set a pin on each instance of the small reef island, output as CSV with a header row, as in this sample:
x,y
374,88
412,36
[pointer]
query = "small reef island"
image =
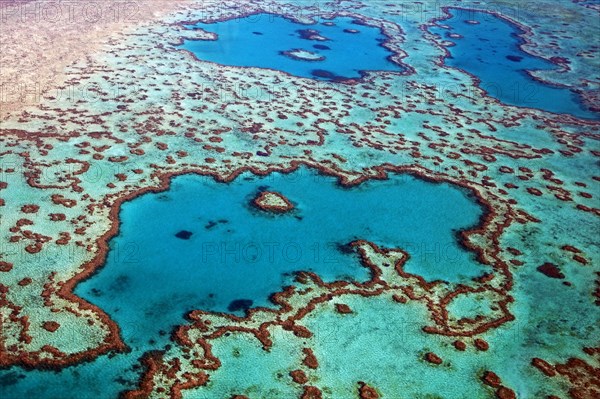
x,y
303,55
312,34
274,202
284,199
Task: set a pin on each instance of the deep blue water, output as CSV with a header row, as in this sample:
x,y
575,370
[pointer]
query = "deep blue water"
x,y
157,271
490,50
259,40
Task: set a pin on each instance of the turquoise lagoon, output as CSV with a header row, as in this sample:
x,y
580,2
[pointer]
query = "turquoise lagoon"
x,y
489,49
259,41
154,274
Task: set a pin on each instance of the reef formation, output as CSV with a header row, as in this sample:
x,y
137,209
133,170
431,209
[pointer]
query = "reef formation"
x,y
117,109
272,202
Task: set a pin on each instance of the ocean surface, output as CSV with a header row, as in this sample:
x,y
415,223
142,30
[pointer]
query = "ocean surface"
x,y
202,245
154,274
489,49
261,41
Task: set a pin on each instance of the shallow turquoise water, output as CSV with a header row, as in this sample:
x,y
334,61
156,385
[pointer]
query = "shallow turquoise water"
x,y
259,40
490,51
152,277
382,343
